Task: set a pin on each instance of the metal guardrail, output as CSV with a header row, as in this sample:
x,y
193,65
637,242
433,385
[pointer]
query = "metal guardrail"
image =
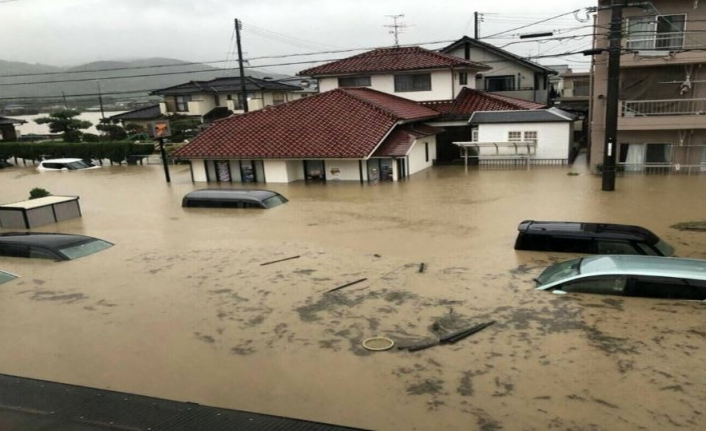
x,y
661,169
647,108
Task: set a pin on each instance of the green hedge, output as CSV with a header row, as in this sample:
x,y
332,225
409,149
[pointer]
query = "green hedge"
x,y
117,152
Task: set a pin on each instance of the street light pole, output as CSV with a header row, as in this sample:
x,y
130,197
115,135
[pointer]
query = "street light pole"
x,y
100,98
613,91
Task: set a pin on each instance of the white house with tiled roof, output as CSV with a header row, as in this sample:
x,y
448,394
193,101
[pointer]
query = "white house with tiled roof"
x,y
354,134
413,72
373,121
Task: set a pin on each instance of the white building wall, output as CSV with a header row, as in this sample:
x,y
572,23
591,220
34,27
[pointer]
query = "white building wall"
x,y
198,170
348,170
418,155
553,139
444,85
200,104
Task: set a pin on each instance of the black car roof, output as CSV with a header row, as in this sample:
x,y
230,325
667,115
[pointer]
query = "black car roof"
x,y
231,194
581,229
43,239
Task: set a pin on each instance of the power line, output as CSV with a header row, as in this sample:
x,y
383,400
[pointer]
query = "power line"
x,y
534,23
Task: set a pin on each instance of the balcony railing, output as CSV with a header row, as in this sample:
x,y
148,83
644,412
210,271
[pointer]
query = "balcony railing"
x,y
651,108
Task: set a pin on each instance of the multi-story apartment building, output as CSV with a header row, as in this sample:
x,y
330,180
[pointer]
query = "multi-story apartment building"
x,y
662,107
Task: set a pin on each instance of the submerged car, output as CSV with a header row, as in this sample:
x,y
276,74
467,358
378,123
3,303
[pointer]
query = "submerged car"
x,y
65,165
55,246
232,198
6,276
589,238
625,275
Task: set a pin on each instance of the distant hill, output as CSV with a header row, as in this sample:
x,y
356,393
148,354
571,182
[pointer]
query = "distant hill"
x,y
116,77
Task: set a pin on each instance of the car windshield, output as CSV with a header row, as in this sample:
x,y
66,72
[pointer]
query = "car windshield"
x,y
6,276
79,164
274,201
85,249
664,248
559,271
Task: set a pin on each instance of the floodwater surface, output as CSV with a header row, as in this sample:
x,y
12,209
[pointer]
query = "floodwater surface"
x,y
182,307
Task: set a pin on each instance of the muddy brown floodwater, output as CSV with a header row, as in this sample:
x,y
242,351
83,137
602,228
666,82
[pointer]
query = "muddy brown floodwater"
x,y
181,308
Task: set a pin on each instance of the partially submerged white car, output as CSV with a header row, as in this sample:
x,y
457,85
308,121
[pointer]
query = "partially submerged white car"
x,y
65,165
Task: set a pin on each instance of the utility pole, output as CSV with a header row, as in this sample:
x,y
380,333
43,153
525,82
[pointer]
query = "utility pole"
x,y
243,90
396,28
476,27
100,98
66,105
613,91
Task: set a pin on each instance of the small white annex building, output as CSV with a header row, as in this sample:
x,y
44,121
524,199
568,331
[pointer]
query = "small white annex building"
x,y
540,136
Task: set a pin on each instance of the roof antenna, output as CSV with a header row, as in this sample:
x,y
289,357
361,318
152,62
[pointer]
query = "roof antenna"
x,y
396,29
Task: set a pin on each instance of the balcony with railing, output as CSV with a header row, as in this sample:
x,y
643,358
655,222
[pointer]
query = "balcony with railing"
x,y
662,114
653,39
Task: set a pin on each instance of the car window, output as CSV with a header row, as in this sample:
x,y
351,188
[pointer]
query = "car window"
x,y
615,247
79,164
604,285
274,201
6,276
53,165
573,245
554,273
664,248
646,249
40,253
662,287
13,250
85,249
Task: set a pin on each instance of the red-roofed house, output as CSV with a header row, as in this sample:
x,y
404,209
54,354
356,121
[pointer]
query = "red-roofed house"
x,y
411,72
348,134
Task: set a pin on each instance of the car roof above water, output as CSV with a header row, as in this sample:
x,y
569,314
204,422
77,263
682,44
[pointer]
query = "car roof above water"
x,y
43,239
61,160
232,198
593,230
222,194
644,265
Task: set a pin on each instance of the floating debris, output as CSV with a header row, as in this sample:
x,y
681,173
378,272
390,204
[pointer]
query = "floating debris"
x,y
422,267
690,225
378,343
280,260
346,285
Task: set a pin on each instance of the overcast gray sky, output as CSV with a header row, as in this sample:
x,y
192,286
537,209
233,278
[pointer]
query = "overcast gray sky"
x,y
70,32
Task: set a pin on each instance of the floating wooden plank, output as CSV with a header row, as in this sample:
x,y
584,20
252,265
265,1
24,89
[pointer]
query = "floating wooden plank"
x,y
346,285
281,260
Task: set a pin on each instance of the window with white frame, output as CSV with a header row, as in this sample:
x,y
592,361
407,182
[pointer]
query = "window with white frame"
x,y
474,135
656,32
530,136
514,136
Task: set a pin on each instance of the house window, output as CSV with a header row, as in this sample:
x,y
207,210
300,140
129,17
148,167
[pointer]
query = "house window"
x,y
354,81
500,83
531,137
581,88
182,103
463,78
514,136
416,82
656,32
474,135
278,98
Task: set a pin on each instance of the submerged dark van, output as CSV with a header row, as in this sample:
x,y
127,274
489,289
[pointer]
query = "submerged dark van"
x,y
231,198
589,238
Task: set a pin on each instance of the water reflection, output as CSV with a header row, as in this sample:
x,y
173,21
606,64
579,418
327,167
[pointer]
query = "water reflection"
x,y
180,307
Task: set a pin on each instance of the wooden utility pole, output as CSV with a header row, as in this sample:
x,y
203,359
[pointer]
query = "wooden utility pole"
x,y
243,90
613,91
476,27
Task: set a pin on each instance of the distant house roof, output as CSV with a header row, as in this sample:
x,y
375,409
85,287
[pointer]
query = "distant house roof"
x,y
392,60
341,123
469,101
551,115
499,51
400,141
225,85
11,121
144,113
